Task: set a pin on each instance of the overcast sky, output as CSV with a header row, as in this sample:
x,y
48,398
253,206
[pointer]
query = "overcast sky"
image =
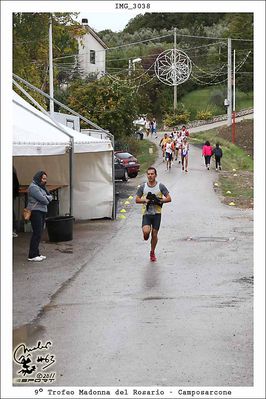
x,y
106,20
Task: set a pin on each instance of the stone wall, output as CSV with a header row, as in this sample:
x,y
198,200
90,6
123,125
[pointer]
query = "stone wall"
x,y
219,118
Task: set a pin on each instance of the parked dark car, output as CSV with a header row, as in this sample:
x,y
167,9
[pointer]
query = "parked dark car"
x,y
120,170
129,161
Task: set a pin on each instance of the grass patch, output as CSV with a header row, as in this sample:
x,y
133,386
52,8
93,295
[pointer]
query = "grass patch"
x,y
237,189
143,155
235,181
234,157
236,185
200,99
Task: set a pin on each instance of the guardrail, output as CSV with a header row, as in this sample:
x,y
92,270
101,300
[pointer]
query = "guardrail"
x,y
96,133
219,118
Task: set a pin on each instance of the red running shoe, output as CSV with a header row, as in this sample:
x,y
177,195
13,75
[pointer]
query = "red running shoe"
x,y
152,257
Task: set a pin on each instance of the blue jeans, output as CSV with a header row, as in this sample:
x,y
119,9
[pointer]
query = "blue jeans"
x,y
37,223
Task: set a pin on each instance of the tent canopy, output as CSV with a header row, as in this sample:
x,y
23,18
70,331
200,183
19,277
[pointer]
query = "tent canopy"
x,y
35,133
39,144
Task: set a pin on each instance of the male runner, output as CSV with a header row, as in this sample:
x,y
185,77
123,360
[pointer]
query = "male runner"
x,y
162,144
152,195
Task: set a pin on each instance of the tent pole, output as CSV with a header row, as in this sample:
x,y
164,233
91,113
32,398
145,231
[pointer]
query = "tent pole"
x,y
113,177
71,173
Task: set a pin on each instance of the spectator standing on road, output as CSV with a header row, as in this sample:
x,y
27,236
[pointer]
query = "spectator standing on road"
x,y
38,199
218,153
207,153
152,195
184,154
15,195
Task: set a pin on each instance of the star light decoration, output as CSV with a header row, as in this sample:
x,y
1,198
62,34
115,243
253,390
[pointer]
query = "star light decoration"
x,y
173,67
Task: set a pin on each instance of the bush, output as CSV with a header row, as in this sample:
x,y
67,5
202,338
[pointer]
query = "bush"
x,y
204,115
173,120
179,116
129,144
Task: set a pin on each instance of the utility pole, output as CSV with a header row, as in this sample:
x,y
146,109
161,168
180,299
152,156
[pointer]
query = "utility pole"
x,y
234,100
229,83
175,86
51,72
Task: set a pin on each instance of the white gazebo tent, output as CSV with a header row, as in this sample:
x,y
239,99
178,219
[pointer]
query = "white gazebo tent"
x,y
39,143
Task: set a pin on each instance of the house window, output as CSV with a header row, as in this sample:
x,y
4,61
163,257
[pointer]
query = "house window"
x,y
92,56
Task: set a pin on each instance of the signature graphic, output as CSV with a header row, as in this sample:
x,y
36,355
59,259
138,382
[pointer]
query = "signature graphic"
x,y
31,359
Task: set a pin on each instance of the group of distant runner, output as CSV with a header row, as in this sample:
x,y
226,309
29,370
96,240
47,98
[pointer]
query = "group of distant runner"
x,y
175,147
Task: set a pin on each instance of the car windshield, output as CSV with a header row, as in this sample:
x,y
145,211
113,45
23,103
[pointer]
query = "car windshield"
x,y
124,155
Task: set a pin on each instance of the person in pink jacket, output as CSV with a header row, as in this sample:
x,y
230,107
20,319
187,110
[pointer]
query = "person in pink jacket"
x,y
207,153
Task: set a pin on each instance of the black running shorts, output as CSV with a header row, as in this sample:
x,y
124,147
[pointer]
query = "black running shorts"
x,y
152,220
168,156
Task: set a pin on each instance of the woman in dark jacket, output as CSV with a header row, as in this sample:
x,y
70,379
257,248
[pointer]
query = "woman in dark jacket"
x,y
218,153
15,195
38,199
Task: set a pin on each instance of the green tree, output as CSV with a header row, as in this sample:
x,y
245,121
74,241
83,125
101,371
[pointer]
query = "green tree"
x,y
240,26
160,21
112,104
31,47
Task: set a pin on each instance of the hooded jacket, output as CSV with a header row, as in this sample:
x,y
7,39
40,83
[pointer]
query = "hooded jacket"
x,y
217,152
207,150
38,196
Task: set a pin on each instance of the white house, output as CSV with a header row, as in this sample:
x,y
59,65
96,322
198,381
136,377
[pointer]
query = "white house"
x,y
92,52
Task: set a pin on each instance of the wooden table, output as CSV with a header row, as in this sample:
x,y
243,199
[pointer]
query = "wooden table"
x,y
52,188
23,192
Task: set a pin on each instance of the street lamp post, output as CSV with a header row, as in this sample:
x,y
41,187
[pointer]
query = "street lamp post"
x,y
134,62
131,65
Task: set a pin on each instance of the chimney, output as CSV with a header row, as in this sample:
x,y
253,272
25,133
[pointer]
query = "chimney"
x,y
84,21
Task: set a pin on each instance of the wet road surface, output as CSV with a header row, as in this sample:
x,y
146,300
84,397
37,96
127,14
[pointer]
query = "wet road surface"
x,y
185,320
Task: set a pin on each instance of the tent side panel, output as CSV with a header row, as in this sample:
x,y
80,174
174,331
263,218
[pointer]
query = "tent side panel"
x,y
55,166
93,187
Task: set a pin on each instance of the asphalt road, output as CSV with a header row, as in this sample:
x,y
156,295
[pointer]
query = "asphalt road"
x,y
186,320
